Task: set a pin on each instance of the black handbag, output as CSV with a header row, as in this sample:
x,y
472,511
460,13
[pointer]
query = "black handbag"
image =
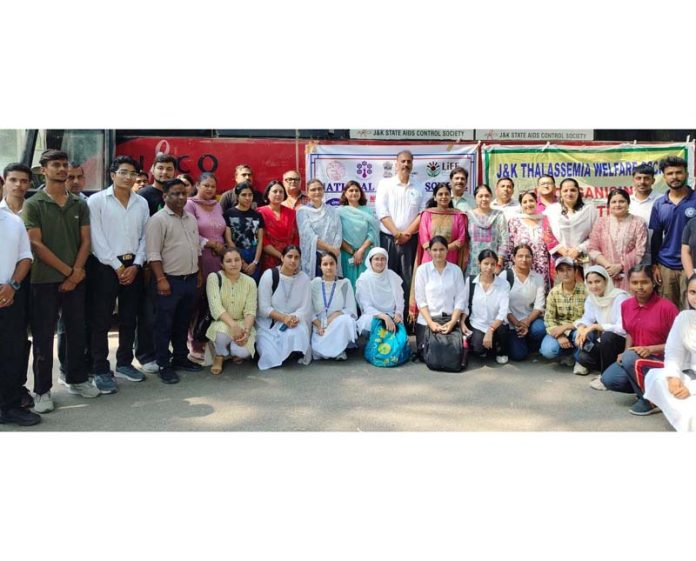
x,y
444,352
204,317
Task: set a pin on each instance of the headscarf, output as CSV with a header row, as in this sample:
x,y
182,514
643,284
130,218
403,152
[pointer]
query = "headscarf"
x,y
384,289
603,303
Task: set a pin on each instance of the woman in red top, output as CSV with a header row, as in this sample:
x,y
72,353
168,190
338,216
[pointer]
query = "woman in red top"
x,y
647,319
280,225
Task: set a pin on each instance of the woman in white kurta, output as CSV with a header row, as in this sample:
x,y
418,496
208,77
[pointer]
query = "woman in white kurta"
x,y
673,388
232,301
320,229
335,313
283,322
379,293
441,293
571,220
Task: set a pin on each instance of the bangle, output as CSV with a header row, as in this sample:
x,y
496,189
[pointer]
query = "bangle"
x,y
255,262
161,279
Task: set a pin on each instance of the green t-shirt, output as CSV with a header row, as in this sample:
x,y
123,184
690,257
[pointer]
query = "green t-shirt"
x,y
60,231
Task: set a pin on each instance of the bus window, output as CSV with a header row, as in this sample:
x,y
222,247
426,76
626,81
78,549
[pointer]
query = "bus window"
x,y
12,143
85,147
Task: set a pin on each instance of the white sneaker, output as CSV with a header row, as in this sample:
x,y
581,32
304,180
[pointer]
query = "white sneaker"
x,y
580,370
501,359
85,389
150,367
342,356
43,403
598,385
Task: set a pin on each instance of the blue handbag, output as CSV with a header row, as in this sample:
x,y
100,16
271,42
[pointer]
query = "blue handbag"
x,y
385,349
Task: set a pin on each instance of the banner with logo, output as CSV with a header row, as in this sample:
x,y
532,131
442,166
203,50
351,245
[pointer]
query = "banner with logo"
x,y
336,164
597,169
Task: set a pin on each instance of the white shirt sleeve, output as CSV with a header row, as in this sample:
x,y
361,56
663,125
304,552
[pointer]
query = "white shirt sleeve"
x,y
265,294
381,200
100,246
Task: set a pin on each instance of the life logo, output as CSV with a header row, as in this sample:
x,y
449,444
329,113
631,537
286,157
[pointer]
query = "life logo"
x,y
433,169
690,212
364,169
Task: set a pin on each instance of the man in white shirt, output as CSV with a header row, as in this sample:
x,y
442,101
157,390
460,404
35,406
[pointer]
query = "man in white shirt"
x,y
15,263
398,203
643,198
118,217
503,198
17,182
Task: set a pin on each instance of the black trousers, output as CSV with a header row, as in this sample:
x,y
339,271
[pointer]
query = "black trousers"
x,y
401,260
604,351
173,317
103,289
48,302
499,340
145,320
13,361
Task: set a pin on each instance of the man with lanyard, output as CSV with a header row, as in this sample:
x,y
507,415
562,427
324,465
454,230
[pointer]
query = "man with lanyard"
x,y
173,250
643,198
15,263
398,204
117,217
163,169
58,226
668,217
461,200
292,181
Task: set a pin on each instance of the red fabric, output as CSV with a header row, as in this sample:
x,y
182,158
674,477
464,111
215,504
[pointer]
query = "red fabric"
x,y
279,232
641,367
649,324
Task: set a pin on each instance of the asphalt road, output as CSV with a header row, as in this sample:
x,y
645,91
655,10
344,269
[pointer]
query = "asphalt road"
x,y
353,396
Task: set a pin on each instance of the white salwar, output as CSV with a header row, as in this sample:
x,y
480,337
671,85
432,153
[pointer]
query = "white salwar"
x,y
314,224
342,332
680,355
377,293
292,296
572,230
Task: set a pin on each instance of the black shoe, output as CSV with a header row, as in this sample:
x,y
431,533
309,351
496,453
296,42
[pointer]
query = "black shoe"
x,y
27,400
168,375
186,365
19,416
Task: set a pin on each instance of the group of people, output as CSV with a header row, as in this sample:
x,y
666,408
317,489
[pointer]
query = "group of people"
x,y
198,281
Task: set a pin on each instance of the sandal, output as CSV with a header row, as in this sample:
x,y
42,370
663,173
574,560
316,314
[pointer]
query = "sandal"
x,y
216,368
237,360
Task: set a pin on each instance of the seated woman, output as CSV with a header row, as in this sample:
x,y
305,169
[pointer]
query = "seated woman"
x,y
526,328
673,388
646,318
320,229
232,301
379,293
441,293
335,313
489,298
599,336
283,323
565,305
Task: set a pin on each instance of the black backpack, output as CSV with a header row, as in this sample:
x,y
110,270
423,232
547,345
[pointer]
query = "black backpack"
x,y
443,352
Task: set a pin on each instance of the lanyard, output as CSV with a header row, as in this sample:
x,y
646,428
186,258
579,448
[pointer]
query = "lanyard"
x,y
327,305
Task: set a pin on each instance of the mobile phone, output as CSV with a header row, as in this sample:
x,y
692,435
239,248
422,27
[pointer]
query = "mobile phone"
x,y
283,327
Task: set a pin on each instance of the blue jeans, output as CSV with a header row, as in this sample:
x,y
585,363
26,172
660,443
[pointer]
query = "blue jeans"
x,y
622,377
552,350
520,347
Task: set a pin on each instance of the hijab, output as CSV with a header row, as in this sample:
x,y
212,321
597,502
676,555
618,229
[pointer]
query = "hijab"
x,y
603,303
384,289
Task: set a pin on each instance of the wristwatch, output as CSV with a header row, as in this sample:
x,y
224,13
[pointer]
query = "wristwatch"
x,y
15,285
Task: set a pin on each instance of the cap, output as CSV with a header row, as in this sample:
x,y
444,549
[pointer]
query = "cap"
x,y
564,261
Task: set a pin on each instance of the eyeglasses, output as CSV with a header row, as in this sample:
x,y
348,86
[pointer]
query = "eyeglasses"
x,y
124,173
291,179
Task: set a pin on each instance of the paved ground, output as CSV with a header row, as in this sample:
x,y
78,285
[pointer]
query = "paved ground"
x,y
353,396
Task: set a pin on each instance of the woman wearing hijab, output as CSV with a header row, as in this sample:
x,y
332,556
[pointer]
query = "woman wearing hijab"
x,y
599,336
379,293
320,230
673,388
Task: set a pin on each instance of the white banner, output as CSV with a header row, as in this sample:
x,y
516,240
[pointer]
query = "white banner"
x,y
413,134
336,164
522,135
